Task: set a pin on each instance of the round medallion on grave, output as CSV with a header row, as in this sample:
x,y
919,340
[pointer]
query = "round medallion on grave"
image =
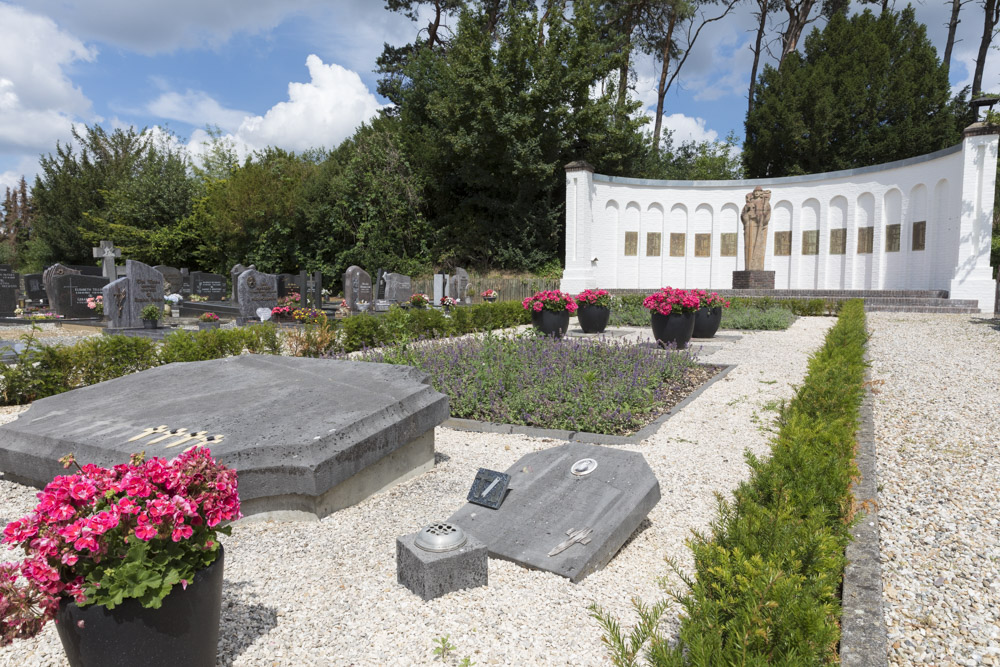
x,y
251,282
440,536
583,467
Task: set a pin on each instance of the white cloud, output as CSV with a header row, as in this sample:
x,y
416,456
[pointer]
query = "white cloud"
x,y
38,101
686,128
26,166
196,108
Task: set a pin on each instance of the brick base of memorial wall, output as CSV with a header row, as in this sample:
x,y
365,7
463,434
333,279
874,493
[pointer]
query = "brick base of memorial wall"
x,y
753,279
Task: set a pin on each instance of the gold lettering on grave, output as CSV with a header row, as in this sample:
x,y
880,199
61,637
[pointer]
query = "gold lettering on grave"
x,y
919,235
702,245
727,247
653,244
631,244
838,241
782,244
183,435
677,245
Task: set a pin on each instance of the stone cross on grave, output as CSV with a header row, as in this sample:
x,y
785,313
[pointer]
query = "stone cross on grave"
x,y
107,254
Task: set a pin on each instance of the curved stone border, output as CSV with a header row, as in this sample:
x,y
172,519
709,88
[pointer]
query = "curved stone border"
x,y
583,436
863,638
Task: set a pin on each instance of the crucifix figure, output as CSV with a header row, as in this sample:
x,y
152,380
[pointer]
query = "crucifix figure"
x,y
107,254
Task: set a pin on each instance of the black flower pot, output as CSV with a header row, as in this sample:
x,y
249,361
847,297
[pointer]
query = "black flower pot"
x,y
707,321
150,324
184,631
490,299
674,328
551,323
593,319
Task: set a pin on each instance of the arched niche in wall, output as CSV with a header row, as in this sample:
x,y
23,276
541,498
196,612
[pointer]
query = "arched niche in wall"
x,y
608,244
628,249
942,238
862,245
677,246
779,244
727,247
810,248
651,246
893,266
836,244
918,266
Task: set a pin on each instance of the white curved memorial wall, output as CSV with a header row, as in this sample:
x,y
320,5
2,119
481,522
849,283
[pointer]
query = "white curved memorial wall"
x,y
918,224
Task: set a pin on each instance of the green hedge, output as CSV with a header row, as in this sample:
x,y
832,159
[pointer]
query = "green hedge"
x,y
767,579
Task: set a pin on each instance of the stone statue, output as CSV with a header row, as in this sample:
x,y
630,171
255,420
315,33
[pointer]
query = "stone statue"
x,y
756,214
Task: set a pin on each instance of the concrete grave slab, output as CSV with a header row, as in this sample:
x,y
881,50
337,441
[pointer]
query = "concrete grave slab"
x,y
307,436
546,500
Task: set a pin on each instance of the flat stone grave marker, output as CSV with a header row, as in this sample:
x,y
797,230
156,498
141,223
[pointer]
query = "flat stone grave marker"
x,y
458,285
357,287
370,427
34,288
234,274
209,285
10,282
172,280
565,514
49,274
256,290
398,288
71,293
125,298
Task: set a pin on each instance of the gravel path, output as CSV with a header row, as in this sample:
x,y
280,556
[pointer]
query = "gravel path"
x,y
936,416
326,594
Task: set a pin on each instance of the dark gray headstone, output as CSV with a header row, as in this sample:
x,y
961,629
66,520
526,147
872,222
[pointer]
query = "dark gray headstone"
x,y
398,288
458,285
287,285
210,285
125,298
317,294
546,499
87,269
50,273
10,282
357,287
71,291
256,290
384,418
171,279
34,288
185,283
234,275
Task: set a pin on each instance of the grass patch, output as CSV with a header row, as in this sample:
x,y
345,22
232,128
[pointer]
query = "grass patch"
x,y
767,582
774,318
745,314
613,388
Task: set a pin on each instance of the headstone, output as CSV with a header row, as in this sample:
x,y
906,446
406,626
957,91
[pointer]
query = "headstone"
x,y
34,288
185,283
381,432
440,286
210,285
125,298
107,253
88,270
70,292
234,274
303,287
50,273
398,288
286,285
379,285
171,279
317,297
357,287
569,509
256,290
458,285
10,282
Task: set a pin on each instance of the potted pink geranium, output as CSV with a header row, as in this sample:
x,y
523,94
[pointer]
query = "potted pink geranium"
x,y
550,311
709,315
208,321
594,310
673,312
124,559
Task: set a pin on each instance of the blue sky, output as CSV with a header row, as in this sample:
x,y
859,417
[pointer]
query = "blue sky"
x,y
295,73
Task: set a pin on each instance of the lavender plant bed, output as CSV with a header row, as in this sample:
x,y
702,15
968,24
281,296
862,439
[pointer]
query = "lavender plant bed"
x,y
606,387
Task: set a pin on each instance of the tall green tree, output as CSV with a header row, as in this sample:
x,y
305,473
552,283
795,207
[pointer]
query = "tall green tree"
x,y
868,90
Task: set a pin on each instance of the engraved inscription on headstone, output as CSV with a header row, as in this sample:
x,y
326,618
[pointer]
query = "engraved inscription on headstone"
x,y
727,245
171,278
398,287
631,244
919,235
34,288
9,284
71,292
256,290
677,245
125,298
210,285
49,274
838,241
653,244
489,488
782,244
458,285
702,245
357,287
234,275
287,285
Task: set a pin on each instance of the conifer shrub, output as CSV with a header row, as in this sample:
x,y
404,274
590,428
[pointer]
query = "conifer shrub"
x,y
768,573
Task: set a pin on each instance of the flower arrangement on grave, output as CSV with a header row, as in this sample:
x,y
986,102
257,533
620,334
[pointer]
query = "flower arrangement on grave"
x,y
151,312
41,317
172,299
291,300
448,301
711,299
197,298
669,300
420,300
104,535
96,304
599,297
208,317
282,312
490,294
308,315
553,300
18,312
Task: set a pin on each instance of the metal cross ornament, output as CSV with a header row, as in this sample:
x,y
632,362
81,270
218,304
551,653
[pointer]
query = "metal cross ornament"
x,y
581,536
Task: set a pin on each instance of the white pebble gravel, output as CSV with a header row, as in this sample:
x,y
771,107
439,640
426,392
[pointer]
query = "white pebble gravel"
x,y
937,410
325,593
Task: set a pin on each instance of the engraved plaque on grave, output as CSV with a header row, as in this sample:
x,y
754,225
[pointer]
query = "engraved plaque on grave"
x,y
866,240
919,235
357,287
631,244
727,246
892,234
398,287
782,244
653,244
209,285
838,241
810,242
489,488
34,288
702,245
72,291
676,245
9,283
256,290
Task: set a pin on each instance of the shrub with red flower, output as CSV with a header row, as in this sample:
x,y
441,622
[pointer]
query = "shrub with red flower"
x,y
282,312
553,300
420,300
711,299
594,297
103,535
669,300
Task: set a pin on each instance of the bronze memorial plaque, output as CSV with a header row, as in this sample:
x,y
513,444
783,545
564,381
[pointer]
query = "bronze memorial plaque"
x,y
677,245
838,241
782,244
866,238
810,242
919,235
892,233
653,244
631,244
702,245
727,246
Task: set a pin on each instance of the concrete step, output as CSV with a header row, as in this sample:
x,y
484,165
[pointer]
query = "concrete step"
x,y
952,310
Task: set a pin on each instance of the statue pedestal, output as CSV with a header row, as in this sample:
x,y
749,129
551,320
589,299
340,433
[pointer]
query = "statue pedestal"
x,y
753,279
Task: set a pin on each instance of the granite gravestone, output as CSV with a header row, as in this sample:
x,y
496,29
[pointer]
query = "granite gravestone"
x,y
398,288
70,294
209,285
88,270
34,288
49,274
357,287
458,286
287,285
569,509
256,290
381,431
10,282
172,281
234,275
125,298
